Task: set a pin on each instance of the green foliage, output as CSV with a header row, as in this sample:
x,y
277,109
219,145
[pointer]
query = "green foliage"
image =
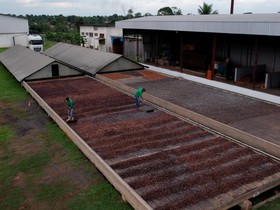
x,y
13,165
165,11
169,11
273,205
206,9
55,134
102,196
11,90
48,43
59,28
2,49
6,133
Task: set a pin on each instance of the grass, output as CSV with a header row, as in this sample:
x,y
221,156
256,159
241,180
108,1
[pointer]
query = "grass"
x,y
6,133
48,44
107,195
11,90
273,205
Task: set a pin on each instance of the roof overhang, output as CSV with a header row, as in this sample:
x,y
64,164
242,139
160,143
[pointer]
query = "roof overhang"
x,y
247,24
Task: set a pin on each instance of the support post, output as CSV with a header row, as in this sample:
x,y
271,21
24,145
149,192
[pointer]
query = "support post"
x,y
181,53
231,7
210,71
255,63
137,47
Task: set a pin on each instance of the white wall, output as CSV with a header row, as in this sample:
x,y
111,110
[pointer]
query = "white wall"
x,y
9,27
93,42
47,72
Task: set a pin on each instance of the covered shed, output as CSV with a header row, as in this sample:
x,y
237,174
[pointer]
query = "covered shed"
x,y
26,64
246,42
90,60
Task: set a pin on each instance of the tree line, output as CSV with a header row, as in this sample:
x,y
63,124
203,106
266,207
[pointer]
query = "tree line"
x,y
61,28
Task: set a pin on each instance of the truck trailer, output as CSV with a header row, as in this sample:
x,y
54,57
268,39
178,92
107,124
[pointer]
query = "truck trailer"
x,y
31,41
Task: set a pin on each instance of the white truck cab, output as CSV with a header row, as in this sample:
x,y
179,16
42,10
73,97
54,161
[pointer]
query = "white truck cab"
x,y
35,42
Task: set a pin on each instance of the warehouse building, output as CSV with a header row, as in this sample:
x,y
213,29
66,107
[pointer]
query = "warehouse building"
x,y
236,47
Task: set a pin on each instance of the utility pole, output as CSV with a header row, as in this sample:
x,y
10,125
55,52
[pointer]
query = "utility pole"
x,y
231,7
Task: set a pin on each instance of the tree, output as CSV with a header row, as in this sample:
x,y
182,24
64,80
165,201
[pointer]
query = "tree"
x,y
130,13
169,11
138,14
176,11
206,9
165,11
148,14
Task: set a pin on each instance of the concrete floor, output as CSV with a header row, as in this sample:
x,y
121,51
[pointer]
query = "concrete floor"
x,y
202,74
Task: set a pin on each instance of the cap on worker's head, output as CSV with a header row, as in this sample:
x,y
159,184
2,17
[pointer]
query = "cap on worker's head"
x,y
143,89
67,98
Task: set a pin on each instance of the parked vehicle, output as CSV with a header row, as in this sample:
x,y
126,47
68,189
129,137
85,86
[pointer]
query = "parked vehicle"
x,y
32,41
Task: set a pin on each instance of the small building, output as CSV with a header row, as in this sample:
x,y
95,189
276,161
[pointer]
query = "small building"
x,y
11,27
62,60
103,38
111,39
91,61
25,64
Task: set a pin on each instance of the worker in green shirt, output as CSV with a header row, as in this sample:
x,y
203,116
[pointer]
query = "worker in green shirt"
x,y
70,105
138,95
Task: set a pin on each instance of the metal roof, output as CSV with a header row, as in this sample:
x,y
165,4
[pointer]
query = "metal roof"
x,y
89,60
250,24
23,62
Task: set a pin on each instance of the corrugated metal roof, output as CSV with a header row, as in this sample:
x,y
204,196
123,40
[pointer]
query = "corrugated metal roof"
x,y
23,62
251,24
82,58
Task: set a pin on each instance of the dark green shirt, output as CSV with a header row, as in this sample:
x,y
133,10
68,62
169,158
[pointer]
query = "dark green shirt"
x,y
138,92
70,103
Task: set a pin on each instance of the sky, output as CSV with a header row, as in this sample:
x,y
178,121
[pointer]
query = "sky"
x,y
120,7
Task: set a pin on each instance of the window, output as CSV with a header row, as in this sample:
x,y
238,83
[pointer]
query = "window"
x,y
95,34
101,36
90,34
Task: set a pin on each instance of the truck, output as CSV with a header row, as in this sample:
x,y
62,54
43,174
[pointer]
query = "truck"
x,y
31,41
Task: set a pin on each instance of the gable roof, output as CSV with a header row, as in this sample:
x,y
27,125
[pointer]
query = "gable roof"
x,y
23,62
251,24
89,60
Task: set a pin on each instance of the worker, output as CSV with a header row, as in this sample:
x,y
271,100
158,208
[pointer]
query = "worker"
x,y
70,105
138,96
